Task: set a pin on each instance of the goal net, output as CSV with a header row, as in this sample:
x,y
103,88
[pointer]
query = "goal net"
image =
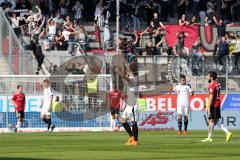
x,y
79,102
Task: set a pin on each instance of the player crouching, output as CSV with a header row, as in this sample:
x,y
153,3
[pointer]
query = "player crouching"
x,y
46,105
19,102
183,91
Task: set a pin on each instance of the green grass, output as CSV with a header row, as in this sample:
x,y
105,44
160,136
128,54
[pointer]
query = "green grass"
x,y
154,145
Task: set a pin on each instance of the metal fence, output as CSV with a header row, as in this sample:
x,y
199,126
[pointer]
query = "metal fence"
x,y
157,72
11,50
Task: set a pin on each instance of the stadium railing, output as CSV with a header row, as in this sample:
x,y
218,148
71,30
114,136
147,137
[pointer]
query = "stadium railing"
x,y
19,61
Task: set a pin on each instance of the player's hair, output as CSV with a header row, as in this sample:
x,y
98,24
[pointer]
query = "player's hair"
x,y
46,80
213,75
140,95
182,76
18,86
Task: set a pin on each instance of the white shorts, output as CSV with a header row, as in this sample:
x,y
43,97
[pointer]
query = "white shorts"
x,y
45,112
130,113
183,109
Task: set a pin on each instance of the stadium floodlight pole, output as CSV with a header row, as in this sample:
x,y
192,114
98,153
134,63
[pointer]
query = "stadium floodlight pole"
x,y
117,35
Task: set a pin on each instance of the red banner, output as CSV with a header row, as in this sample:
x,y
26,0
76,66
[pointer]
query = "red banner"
x,y
172,30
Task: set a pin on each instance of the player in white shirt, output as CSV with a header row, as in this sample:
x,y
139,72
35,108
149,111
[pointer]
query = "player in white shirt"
x,y
47,105
131,106
183,91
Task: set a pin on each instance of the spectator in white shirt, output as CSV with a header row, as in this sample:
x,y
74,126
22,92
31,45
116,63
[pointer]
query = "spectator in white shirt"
x,y
52,29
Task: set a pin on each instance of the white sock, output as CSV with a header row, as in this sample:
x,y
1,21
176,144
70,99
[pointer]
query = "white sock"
x,y
18,124
224,129
210,131
209,134
113,123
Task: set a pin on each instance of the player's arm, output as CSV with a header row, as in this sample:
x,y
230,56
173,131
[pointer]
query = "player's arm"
x,y
24,103
13,101
50,105
210,100
191,92
171,89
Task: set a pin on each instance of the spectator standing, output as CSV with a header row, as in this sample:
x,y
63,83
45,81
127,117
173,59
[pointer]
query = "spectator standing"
x,y
195,7
211,18
37,53
159,40
82,38
164,10
150,11
78,10
156,22
222,51
136,16
64,8
124,13
196,54
182,7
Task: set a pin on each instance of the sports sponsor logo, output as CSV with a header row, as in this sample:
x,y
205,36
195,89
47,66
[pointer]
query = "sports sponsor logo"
x,y
168,103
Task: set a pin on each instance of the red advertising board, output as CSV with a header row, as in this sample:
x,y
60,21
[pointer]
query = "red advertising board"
x,y
168,102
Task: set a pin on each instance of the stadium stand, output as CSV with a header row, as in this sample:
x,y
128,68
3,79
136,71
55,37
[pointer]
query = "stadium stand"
x,y
70,28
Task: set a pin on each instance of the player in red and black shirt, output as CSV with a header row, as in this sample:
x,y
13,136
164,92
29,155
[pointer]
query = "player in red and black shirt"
x,y
214,107
19,102
114,101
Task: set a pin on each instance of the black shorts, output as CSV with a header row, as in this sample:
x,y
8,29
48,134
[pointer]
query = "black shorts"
x,y
215,113
114,111
19,114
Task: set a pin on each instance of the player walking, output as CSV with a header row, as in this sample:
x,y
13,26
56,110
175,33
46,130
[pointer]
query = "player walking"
x,y
115,99
19,102
183,91
131,110
214,109
46,105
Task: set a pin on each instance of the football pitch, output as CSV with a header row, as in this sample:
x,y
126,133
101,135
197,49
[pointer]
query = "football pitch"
x,y
154,145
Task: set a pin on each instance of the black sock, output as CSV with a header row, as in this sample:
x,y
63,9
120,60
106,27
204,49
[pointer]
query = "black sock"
x,y
45,120
128,129
185,123
49,122
180,124
135,131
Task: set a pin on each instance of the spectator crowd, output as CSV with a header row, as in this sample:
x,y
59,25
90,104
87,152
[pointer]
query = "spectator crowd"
x,y
61,25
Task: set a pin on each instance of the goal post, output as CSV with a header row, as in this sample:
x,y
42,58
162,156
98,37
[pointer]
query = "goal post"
x,y
76,107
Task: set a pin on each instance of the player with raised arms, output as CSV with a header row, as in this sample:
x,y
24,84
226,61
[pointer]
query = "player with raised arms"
x,y
19,102
214,107
131,106
183,91
47,105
